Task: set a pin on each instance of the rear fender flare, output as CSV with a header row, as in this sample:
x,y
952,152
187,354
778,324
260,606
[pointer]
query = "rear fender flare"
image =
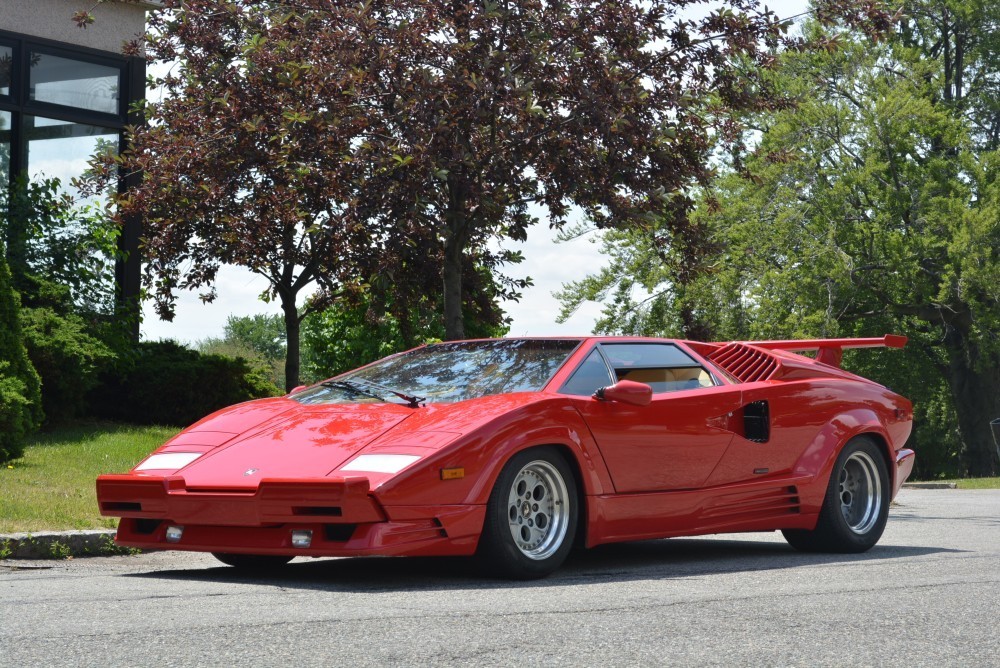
x,y
822,452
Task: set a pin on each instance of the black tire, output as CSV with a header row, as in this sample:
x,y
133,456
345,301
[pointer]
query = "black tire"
x,y
531,517
856,505
252,562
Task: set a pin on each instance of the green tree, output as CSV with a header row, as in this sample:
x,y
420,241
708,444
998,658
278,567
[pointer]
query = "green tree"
x,y
483,109
61,258
20,397
259,339
327,144
348,336
873,206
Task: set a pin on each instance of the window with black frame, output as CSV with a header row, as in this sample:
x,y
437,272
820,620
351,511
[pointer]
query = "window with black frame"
x,y
59,105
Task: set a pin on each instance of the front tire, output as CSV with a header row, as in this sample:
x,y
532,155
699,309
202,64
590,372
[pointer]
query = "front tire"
x,y
252,562
531,516
856,505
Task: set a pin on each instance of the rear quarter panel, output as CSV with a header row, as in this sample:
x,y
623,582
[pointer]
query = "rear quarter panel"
x,y
811,420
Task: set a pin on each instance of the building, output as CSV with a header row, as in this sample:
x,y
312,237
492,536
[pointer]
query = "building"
x,y
66,91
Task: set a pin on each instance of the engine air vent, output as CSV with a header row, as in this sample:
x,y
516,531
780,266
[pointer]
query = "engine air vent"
x,y
757,422
759,504
745,363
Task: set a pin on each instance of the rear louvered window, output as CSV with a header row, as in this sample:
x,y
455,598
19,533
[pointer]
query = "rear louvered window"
x,y
745,363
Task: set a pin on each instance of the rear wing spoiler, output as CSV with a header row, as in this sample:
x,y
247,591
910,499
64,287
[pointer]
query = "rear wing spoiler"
x,y
830,351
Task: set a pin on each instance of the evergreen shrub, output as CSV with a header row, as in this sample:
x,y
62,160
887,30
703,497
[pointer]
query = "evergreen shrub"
x,y
67,357
20,394
165,383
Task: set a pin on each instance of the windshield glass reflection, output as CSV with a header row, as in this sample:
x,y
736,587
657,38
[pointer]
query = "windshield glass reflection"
x,y
449,372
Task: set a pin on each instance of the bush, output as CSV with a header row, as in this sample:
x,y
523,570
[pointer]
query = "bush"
x,y
20,398
273,369
166,383
15,415
66,357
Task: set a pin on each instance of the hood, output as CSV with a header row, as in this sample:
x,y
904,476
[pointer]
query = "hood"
x,y
296,442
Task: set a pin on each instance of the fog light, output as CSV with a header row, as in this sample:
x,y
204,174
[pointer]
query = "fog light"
x,y
174,534
303,538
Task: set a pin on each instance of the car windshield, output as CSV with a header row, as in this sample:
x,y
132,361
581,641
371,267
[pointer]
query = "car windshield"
x,y
448,372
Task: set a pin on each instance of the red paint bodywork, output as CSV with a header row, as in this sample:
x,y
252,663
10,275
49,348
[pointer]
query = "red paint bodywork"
x,y
681,465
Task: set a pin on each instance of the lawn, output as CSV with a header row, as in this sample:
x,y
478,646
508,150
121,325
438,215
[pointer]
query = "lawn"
x,y
978,483
52,486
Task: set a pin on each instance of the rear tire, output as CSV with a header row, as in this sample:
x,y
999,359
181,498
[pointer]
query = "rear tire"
x,y
252,562
856,505
531,516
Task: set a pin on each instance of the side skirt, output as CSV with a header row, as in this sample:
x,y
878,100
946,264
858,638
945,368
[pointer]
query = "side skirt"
x,y
762,505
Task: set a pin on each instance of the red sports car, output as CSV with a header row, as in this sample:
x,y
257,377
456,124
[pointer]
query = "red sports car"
x,y
514,450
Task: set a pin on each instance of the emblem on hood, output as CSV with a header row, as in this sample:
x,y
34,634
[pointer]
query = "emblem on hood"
x,y
250,471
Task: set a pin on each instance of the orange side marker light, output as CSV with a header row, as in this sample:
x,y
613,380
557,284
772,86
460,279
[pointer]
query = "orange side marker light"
x,y
452,474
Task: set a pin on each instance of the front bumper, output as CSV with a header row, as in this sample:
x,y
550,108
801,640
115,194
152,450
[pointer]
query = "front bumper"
x,y
344,517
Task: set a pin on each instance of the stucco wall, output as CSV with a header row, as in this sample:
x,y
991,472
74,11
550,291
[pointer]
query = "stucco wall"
x,y
117,22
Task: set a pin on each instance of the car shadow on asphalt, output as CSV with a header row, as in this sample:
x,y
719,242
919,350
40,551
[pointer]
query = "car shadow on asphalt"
x,y
675,558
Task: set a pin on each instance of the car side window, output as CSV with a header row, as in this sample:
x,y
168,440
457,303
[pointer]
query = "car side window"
x,y
589,377
664,367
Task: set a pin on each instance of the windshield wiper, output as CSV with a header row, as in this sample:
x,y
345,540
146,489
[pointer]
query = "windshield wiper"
x,y
358,386
351,387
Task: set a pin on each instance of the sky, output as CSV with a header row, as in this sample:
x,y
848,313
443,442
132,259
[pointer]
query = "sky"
x,y
548,263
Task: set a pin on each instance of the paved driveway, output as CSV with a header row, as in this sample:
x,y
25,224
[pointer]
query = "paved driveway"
x,y
927,595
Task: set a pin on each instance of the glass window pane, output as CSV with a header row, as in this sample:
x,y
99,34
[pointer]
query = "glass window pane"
x,y
6,68
4,148
591,375
74,83
646,355
60,149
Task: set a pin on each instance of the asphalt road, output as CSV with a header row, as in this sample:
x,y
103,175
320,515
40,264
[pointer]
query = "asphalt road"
x,y
927,595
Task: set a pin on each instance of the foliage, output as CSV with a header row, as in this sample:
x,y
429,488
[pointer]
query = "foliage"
x,y
247,159
67,358
20,396
873,206
52,486
61,254
345,337
259,339
383,145
481,110
62,259
262,333
166,383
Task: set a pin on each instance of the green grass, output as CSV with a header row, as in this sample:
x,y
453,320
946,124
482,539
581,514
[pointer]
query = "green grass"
x,y
978,483
52,486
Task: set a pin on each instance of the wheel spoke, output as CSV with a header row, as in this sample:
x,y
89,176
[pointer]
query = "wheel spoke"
x,y
537,509
860,492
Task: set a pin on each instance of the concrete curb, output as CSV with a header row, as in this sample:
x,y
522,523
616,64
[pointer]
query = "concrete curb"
x,y
58,544
930,485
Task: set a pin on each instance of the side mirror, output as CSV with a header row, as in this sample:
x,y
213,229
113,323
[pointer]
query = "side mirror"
x,y
627,392
296,389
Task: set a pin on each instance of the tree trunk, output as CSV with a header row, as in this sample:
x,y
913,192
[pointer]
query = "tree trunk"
x,y
291,313
454,327
975,386
454,253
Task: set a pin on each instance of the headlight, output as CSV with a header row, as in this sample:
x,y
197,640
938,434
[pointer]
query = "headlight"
x,y
380,463
168,460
